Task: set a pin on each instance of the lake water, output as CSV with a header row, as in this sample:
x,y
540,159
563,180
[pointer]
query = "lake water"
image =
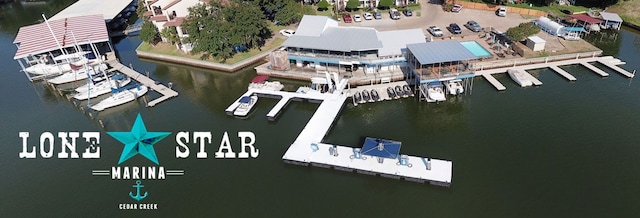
x,y
563,149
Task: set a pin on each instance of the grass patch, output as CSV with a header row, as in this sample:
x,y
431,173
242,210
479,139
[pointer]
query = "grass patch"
x,y
629,11
325,12
168,49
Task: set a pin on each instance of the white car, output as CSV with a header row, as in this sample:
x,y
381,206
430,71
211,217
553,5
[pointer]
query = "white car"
x,y
435,31
357,18
287,32
367,16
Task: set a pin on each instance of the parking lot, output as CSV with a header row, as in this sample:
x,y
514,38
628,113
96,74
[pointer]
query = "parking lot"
x,y
432,14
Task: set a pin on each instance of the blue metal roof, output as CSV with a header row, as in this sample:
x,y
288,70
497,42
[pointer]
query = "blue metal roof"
x,y
575,29
440,52
381,148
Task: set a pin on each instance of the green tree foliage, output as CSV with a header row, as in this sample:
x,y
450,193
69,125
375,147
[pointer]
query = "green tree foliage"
x,y
323,5
384,4
352,5
214,29
149,33
522,31
289,14
170,34
141,9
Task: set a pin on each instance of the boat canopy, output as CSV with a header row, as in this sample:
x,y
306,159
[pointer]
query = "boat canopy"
x,y
260,79
381,148
245,99
434,83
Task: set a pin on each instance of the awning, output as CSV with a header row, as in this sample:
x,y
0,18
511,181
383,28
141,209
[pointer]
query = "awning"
x,y
440,52
586,18
260,79
575,29
381,148
611,17
175,22
36,39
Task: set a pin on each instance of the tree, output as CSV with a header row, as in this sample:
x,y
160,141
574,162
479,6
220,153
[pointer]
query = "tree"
x,y
384,4
149,33
323,5
170,34
140,10
215,30
289,14
353,5
522,31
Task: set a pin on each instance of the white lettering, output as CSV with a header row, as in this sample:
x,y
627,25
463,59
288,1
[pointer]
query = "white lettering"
x,y
25,153
46,136
93,145
179,137
224,144
66,145
201,136
243,140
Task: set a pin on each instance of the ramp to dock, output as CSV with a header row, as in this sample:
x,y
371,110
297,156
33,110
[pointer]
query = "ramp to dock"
x,y
144,80
494,82
563,73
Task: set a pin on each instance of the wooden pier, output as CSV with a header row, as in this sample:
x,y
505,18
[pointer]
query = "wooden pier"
x,y
616,68
494,82
594,69
144,80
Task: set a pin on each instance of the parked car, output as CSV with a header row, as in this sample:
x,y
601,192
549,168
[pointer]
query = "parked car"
x,y
394,14
435,31
408,12
346,18
473,26
287,32
456,8
357,18
502,11
454,28
377,15
367,16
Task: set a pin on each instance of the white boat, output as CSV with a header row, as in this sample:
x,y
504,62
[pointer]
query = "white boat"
x,y
246,103
520,78
44,67
120,97
76,75
454,87
102,87
260,82
435,91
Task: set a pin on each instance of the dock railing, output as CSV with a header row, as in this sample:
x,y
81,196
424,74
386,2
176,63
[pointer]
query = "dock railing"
x,y
479,66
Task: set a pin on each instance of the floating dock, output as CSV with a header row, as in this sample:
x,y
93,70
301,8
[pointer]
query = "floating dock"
x,y
607,61
308,147
144,80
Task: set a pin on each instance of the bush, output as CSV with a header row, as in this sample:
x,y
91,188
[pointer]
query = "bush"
x,y
522,31
323,5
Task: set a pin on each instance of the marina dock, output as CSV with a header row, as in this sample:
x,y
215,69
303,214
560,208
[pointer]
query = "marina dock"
x,y
144,80
309,149
607,61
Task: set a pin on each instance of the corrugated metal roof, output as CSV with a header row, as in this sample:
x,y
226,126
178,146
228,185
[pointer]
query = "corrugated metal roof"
x,y
311,25
109,9
586,18
440,52
344,39
611,17
393,42
37,39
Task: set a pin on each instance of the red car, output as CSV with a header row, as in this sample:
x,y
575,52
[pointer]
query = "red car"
x,y
347,18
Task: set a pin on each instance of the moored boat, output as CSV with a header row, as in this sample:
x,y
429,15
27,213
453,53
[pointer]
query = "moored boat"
x,y
374,95
76,75
260,82
407,90
357,97
520,77
435,91
399,92
365,95
392,94
246,103
102,87
454,87
121,96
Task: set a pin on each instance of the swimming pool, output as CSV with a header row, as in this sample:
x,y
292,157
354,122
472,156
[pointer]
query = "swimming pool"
x,y
477,49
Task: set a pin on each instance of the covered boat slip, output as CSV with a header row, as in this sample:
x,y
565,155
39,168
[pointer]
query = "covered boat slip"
x,y
109,9
40,42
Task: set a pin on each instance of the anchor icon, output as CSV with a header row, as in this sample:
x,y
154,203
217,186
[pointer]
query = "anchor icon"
x,y
137,197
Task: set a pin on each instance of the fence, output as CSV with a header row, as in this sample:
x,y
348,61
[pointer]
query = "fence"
x,y
512,63
490,7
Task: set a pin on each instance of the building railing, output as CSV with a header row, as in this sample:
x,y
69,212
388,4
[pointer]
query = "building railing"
x,y
517,62
344,58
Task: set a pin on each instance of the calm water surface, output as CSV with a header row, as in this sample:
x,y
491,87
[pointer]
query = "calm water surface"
x,y
563,149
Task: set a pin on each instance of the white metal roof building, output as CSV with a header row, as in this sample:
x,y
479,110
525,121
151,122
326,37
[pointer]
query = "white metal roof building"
x,y
108,8
319,39
611,20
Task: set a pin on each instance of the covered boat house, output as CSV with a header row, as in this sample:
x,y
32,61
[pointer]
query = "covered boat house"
x,y
611,20
41,43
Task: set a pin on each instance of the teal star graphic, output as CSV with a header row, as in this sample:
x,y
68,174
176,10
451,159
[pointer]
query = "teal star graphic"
x,y
138,141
